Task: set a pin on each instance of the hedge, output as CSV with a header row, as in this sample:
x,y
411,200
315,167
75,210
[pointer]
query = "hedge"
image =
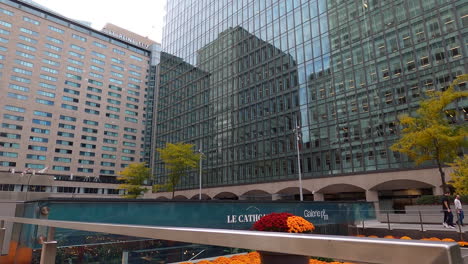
x,y
436,199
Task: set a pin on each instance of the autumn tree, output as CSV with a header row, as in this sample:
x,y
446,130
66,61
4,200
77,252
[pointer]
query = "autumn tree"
x,y
460,175
430,135
178,159
134,177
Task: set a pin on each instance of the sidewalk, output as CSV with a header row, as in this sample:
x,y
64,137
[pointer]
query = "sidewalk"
x,y
426,227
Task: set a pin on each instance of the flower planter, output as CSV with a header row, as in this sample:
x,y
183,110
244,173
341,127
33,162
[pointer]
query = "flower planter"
x,y
280,258
283,222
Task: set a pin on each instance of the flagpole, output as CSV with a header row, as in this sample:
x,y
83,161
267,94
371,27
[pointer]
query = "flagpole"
x,y
200,175
299,162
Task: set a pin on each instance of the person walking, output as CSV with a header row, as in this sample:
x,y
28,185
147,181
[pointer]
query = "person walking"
x,y
459,209
448,215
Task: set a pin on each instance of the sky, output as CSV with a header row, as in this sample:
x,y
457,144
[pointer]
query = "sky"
x,y
144,17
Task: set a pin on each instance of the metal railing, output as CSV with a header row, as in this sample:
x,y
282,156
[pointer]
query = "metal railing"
x,y
421,218
367,250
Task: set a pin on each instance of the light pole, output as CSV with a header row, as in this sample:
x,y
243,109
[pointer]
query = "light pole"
x,y
200,174
296,130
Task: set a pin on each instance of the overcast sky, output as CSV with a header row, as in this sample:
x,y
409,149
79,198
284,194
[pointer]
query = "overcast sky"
x,y
144,17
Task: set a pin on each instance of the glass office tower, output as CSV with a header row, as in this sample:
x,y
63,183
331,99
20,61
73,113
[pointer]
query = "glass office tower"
x,y
237,77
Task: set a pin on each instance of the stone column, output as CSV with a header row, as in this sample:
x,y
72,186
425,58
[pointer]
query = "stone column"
x,y
243,198
275,197
318,196
437,190
373,196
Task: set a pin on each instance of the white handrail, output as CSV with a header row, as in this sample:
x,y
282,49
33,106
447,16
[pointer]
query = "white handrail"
x,y
369,250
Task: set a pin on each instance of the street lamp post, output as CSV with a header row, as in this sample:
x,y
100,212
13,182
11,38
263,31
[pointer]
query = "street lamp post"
x,y
200,174
296,130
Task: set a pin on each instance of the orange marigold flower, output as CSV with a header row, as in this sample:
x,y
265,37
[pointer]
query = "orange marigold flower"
x,y
434,239
242,258
405,237
255,261
253,254
204,262
254,257
221,260
463,244
238,262
297,224
448,240
315,261
389,237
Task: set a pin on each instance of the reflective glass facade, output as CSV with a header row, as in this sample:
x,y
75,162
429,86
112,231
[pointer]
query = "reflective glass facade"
x,y
237,76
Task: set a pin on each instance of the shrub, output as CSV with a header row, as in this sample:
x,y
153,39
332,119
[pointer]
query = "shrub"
x,y
428,199
323,259
436,199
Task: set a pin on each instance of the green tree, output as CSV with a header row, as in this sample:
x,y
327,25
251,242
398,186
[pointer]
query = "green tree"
x,y
460,175
134,177
179,159
430,136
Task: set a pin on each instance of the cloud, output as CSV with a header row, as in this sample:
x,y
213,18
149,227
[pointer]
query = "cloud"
x,y
144,17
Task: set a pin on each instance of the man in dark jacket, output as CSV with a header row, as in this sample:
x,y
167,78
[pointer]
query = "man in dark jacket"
x,y
448,215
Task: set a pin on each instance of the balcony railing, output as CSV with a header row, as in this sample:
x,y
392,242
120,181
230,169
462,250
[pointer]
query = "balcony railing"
x,y
367,250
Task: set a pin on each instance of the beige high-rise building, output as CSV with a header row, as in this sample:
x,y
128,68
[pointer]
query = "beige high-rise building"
x,y
73,100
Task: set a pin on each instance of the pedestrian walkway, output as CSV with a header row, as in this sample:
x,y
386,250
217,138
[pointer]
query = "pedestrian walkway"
x,y
426,227
431,228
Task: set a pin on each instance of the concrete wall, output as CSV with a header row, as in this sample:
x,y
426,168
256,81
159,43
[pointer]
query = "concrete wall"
x,y
369,183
